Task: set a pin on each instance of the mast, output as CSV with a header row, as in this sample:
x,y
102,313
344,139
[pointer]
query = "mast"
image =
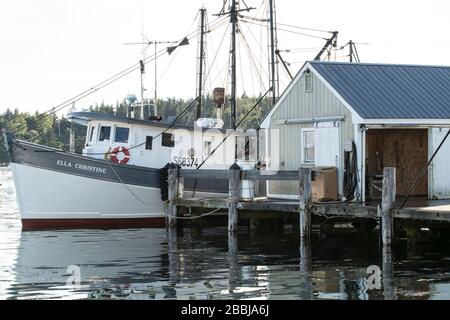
x,y
234,10
273,51
330,42
350,43
141,63
202,53
155,103
233,20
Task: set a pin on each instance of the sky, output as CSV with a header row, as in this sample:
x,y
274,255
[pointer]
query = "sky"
x,y
52,50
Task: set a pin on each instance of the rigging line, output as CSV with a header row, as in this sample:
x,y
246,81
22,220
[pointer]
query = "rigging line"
x,y
259,43
98,86
110,82
285,30
253,59
215,56
123,183
240,62
167,67
136,65
302,28
159,134
219,75
52,128
86,93
218,49
302,34
233,131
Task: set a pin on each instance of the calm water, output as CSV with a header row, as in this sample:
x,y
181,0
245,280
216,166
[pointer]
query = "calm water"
x,y
196,264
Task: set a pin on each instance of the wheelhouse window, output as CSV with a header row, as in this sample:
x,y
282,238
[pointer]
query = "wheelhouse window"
x,y
308,146
148,143
91,134
122,135
168,140
105,133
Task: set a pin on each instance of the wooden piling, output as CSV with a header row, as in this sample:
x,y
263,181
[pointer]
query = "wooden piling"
x,y
233,198
387,204
172,194
305,233
305,203
388,274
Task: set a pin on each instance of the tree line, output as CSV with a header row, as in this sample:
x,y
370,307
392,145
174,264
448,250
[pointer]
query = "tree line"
x,y
54,131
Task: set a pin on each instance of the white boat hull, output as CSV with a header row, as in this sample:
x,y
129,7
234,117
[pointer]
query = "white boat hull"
x,y
45,196
56,189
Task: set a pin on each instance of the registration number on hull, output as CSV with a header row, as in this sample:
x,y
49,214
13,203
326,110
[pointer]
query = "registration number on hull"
x,y
186,161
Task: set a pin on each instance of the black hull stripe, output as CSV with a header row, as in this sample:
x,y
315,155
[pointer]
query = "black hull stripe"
x,y
42,157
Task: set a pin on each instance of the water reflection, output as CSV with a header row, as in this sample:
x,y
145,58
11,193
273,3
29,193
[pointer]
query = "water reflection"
x,y
208,264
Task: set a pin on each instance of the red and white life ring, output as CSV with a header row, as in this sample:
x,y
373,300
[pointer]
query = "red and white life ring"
x,y
120,159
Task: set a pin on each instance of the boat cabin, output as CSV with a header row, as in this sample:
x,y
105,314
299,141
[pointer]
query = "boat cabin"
x,y
153,144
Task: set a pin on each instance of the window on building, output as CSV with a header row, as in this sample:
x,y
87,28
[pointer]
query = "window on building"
x,y
308,81
91,135
168,140
122,135
148,143
308,146
105,133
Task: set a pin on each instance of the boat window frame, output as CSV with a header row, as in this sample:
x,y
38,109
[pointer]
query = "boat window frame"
x,y
149,142
91,136
115,134
165,140
100,133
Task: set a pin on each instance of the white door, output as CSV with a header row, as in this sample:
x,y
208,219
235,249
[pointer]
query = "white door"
x,y
439,171
326,147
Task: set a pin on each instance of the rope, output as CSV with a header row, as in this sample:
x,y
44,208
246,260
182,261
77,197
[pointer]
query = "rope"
x,y
123,183
200,216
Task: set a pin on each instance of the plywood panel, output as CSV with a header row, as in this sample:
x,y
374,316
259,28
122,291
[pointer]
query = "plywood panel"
x,y
405,149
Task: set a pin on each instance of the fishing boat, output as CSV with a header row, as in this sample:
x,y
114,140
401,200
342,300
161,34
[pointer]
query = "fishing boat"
x,y
119,179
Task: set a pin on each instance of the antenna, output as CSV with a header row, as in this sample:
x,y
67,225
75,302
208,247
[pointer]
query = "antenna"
x,y
146,44
353,54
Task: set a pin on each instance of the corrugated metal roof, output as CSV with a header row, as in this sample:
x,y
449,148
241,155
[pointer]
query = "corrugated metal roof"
x,y
390,91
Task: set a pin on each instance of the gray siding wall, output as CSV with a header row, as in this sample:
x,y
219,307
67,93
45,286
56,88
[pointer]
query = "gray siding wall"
x,y
299,104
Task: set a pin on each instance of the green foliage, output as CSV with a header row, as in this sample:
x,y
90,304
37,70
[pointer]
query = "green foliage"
x,y
55,132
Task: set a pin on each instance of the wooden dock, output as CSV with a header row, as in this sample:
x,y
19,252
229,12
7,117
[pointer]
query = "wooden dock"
x,y
304,207
233,206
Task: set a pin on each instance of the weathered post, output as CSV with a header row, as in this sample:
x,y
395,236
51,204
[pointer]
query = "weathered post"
x,y
304,203
388,274
172,195
234,188
305,233
387,204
